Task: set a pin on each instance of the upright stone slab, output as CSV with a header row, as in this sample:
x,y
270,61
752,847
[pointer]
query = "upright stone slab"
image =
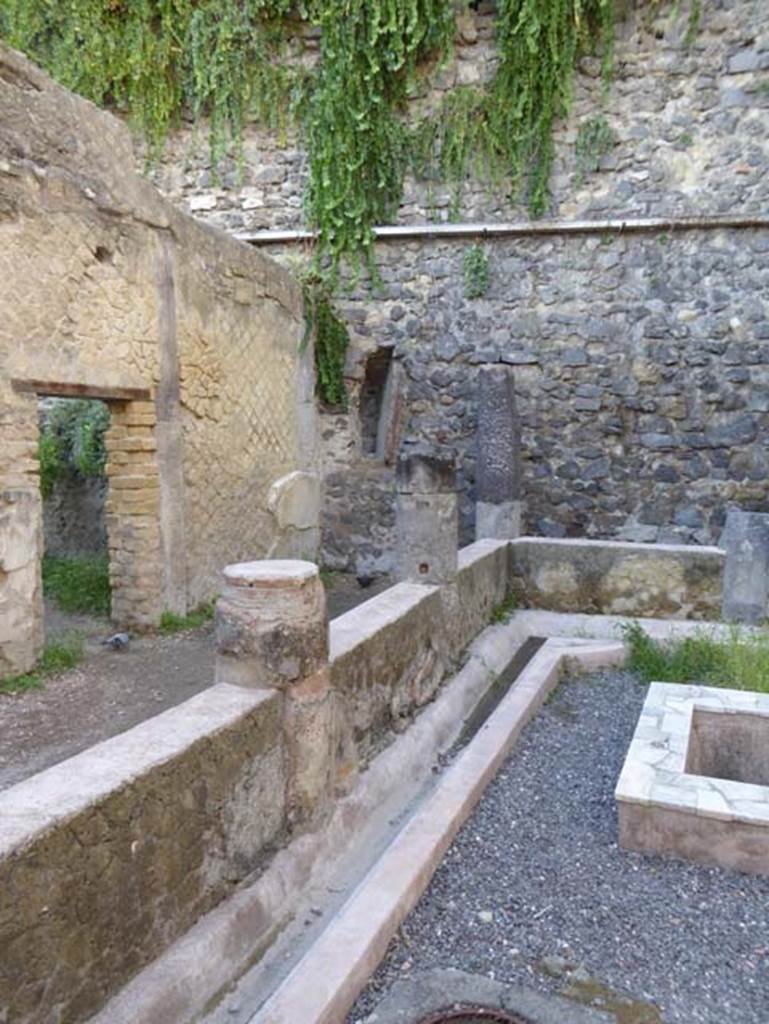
x,y
272,632
746,574
498,467
426,519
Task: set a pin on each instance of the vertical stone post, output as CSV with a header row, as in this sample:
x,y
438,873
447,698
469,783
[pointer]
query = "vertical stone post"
x,y
498,472
746,573
272,632
426,519
21,535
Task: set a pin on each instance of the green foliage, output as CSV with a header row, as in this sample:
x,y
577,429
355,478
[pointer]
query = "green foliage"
x,y
170,622
595,139
159,58
503,611
741,661
58,656
79,585
475,268
506,129
50,462
331,341
356,141
72,440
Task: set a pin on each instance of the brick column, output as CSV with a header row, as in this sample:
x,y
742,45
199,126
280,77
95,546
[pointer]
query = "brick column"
x,y
272,632
133,515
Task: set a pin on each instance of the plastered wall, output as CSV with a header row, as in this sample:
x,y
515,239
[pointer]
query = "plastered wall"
x,y
192,338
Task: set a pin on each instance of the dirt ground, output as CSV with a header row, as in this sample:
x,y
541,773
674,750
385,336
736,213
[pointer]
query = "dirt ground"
x,y
111,691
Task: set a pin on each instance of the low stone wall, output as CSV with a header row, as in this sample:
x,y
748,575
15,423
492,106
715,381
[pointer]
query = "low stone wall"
x,y
482,585
388,657
73,517
612,578
108,857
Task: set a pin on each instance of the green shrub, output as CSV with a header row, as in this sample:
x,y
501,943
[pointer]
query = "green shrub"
x,y
170,622
739,661
58,656
79,585
72,440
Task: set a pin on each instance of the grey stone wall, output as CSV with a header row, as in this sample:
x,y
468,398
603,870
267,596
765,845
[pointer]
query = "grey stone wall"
x,y
74,519
642,361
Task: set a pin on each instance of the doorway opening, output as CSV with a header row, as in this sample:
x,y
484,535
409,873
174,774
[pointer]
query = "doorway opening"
x,y
73,483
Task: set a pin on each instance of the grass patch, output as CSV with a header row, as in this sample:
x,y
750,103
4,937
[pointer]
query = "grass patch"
x,y
502,611
170,622
739,661
79,585
58,656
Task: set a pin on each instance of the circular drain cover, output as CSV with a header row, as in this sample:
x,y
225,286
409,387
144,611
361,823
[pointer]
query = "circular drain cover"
x,y
474,1015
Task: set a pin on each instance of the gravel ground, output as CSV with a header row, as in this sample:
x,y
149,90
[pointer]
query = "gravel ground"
x,y
535,890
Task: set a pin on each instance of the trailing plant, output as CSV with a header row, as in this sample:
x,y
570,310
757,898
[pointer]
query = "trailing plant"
x,y
357,143
475,267
72,440
595,138
331,341
157,59
222,59
506,129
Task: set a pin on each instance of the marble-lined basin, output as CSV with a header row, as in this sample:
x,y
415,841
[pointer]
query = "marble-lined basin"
x,y
695,783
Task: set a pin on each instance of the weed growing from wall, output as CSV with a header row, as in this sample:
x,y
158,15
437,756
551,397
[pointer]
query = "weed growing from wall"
x,y
595,138
331,341
475,269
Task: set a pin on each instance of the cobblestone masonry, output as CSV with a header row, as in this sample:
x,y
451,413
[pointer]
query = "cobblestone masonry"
x,y
106,286
641,362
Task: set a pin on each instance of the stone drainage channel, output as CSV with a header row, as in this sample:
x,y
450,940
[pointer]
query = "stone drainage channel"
x,y
315,977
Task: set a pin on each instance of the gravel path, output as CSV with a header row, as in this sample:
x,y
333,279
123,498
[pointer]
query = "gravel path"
x,y
535,889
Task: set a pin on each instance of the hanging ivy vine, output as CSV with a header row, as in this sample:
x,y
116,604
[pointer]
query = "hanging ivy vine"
x,y
160,60
331,341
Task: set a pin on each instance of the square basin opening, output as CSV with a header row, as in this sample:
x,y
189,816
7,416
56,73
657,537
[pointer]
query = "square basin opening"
x,y
729,745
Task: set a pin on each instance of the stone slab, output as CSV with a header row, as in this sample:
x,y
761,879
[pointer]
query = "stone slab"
x,y
746,575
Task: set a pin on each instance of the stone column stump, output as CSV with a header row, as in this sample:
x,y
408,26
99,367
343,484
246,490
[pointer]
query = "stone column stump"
x,y
498,467
426,519
272,632
746,573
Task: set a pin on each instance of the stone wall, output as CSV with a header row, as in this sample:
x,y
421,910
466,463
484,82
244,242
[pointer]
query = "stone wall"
x,y
107,290
107,857
73,517
642,372
668,581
